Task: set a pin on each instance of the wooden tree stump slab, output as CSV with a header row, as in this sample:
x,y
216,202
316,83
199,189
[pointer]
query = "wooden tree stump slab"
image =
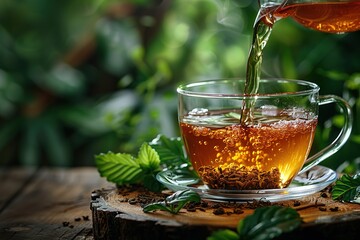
x,y
118,214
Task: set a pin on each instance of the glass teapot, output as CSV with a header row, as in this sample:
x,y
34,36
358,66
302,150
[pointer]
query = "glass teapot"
x,y
332,16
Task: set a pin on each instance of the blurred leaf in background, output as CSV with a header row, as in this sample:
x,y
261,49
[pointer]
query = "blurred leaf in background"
x,y
49,109
82,77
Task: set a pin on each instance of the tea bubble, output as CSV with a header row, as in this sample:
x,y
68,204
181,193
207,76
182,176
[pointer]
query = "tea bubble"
x,y
269,110
205,131
199,112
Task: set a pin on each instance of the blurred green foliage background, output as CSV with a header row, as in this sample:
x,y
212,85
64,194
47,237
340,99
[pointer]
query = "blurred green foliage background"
x,y
81,77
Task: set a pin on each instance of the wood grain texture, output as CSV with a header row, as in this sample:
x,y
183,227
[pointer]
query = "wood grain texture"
x,y
11,183
115,218
54,204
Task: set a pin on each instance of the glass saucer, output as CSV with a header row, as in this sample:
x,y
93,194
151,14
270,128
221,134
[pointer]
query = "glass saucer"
x,y
309,182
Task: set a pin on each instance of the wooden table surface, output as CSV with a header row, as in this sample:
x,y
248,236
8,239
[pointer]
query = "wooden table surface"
x,y
47,203
54,203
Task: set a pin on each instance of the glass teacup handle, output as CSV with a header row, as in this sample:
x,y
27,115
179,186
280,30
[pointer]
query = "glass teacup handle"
x,y
340,140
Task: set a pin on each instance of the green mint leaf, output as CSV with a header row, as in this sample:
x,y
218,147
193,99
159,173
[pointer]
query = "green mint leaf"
x,y
157,206
119,168
148,158
170,150
162,152
346,188
175,202
225,234
180,198
268,223
152,184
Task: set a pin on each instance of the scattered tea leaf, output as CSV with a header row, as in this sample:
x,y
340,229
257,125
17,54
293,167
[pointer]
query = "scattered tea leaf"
x,y
175,202
347,188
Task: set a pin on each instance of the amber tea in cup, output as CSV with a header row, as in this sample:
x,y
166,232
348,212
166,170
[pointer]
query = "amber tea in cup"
x,y
267,151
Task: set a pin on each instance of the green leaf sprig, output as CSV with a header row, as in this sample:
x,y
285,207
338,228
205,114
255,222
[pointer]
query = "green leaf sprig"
x,y
121,168
171,152
264,224
175,202
346,188
161,153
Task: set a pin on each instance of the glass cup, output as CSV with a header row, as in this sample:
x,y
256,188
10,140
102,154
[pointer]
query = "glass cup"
x,y
265,152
